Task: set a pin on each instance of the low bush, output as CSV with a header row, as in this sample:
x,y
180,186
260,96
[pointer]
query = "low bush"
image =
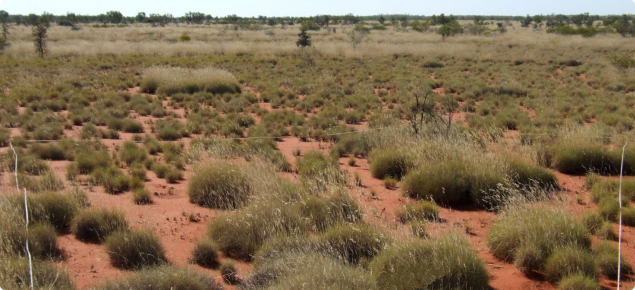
x,y
609,208
527,174
446,263
389,163
606,258
592,221
290,270
240,234
628,216
134,249
354,242
322,213
318,171
220,185
87,162
228,272
174,176
164,278
48,152
390,182
131,153
420,211
141,196
578,282
567,261
528,234
60,210
205,254
15,274
43,242
96,225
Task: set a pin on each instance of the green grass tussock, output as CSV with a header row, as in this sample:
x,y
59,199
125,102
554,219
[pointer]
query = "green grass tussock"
x,y
14,274
164,278
134,250
569,260
96,225
420,211
606,259
220,185
205,254
173,80
528,234
354,243
578,282
389,163
445,263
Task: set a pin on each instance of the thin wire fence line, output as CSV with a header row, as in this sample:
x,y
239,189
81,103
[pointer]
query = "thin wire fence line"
x,y
26,214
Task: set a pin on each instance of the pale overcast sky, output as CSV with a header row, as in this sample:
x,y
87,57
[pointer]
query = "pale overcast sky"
x,y
315,7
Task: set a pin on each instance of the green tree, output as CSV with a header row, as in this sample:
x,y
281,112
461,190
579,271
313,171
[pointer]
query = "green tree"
x,y
114,17
141,17
39,35
526,21
450,29
309,25
304,39
194,17
381,19
4,21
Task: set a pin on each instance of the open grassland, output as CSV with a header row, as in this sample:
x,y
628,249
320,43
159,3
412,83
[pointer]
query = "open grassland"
x,y
238,160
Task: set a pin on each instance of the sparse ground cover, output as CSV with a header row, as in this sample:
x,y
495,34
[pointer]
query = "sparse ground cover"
x,y
237,159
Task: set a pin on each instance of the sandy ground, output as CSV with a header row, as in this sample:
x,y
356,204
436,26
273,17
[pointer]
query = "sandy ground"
x,y
169,217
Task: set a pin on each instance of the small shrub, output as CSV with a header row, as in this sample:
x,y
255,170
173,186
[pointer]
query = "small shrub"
x,y
418,228
14,274
628,216
164,278
185,38
609,208
433,64
96,225
43,242
141,196
149,86
606,232
447,263
352,161
205,254
315,167
527,174
58,209
390,182
131,153
228,272
134,249
606,257
578,282
530,233
220,185
421,211
569,261
592,221
322,213
48,152
354,242
445,183
389,163
79,197
174,176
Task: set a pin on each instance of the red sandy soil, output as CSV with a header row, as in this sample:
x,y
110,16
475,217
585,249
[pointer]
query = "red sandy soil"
x,y
168,217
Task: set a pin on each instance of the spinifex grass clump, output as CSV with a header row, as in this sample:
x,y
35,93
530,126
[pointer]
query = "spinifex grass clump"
x,y
389,163
421,211
219,184
317,171
14,274
445,263
164,278
354,243
527,235
173,80
97,225
134,249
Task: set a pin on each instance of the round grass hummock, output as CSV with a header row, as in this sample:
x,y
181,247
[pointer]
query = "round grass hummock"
x,y
219,185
